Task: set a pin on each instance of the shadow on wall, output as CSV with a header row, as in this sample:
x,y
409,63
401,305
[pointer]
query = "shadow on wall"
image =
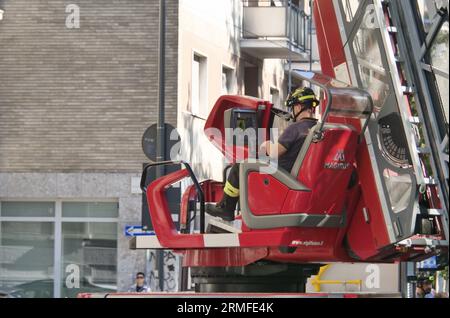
x,y
195,147
234,31
193,142
192,150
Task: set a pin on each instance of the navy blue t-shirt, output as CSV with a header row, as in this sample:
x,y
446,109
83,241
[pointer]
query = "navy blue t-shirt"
x,y
292,139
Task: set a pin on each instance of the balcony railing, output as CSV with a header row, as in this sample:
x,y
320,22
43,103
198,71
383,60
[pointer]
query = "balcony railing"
x,y
277,21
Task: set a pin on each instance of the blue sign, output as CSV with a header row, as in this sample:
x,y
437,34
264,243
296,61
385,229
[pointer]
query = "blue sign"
x,y
430,263
137,230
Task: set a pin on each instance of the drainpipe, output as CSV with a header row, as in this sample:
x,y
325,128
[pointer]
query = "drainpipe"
x,y
310,33
160,150
288,27
160,144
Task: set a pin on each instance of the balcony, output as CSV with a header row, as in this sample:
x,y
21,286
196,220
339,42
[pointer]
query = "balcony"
x,y
275,29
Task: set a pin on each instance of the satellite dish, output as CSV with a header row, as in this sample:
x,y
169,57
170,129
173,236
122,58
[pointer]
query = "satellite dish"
x,y
149,141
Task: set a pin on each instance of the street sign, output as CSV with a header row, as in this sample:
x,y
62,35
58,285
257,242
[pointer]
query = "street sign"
x,y
137,230
428,264
150,137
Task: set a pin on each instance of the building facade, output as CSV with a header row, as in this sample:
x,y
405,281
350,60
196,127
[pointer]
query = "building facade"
x,y
75,100
232,47
78,87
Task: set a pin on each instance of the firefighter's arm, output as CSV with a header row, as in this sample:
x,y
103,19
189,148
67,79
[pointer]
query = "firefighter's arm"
x,y
272,150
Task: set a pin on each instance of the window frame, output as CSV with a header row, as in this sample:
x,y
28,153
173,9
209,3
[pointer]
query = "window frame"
x,y
229,71
202,111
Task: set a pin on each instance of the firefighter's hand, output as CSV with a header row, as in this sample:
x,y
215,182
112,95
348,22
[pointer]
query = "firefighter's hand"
x,y
264,147
272,150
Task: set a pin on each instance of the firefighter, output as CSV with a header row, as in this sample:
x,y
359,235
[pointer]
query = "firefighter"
x,y
302,103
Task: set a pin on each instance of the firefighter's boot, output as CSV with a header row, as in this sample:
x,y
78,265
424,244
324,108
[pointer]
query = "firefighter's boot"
x,y
223,209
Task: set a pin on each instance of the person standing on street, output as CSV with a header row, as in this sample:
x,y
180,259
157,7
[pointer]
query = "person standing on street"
x,y
140,286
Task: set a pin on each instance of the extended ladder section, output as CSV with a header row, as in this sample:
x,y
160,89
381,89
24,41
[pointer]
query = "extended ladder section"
x,y
425,113
388,53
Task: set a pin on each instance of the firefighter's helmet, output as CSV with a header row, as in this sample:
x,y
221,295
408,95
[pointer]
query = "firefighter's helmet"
x,y
304,96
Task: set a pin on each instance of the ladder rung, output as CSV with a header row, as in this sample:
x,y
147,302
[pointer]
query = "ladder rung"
x,y
429,212
392,29
429,181
434,212
407,90
424,150
414,120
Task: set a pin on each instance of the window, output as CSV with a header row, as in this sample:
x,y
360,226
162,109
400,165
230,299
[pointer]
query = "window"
x,y
227,80
58,249
26,258
252,75
90,209
89,257
370,63
28,209
199,86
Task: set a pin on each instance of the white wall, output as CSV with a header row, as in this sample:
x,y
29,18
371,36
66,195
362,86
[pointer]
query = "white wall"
x,y
213,30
